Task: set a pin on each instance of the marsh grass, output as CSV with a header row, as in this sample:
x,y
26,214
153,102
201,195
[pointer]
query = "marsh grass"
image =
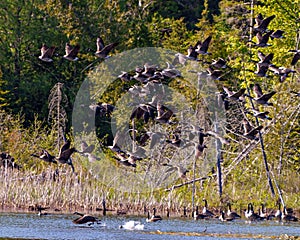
x,y
57,187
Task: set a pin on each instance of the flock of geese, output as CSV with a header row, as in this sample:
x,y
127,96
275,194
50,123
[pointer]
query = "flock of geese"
x,y
151,77
71,52
278,215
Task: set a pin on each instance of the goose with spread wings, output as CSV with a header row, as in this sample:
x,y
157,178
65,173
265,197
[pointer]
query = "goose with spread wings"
x,y
45,156
102,49
65,153
71,52
46,53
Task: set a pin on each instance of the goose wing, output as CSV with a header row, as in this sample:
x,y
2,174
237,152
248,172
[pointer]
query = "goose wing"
x,y
257,90
295,58
100,44
73,51
265,22
105,51
229,93
66,146
267,96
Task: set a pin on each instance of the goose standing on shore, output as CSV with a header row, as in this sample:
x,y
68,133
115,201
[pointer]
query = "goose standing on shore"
x,y
197,215
230,213
205,210
250,214
225,219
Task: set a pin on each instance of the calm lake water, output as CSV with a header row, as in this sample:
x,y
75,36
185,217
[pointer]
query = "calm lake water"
x,y
54,226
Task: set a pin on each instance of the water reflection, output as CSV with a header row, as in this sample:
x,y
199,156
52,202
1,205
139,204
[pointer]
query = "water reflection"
x,y
57,226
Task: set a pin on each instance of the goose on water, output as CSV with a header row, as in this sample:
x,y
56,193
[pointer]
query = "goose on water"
x,y
85,219
154,217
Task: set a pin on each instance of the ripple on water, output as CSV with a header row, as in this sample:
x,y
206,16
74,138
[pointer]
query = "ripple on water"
x,y
56,226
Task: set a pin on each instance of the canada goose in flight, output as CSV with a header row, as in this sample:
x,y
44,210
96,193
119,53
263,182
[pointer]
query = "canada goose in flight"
x,y
261,70
257,90
116,142
230,213
296,57
176,141
122,158
202,47
262,40
102,109
45,156
259,114
205,211
249,131
281,71
85,219
85,148
236,96
192,54
65,154
170,71
262,23
102,50
179,59
47,53
155,138
141,77
277,34
145,111
262,99
265,60
163,113
154,217
180,170
214,73
149,70
124,76
71,52
225,219
220,63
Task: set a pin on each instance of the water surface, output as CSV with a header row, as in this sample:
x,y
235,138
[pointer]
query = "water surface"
x,y
60,226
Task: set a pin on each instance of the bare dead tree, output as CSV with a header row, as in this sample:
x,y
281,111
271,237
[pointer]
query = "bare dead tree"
x,y
57,116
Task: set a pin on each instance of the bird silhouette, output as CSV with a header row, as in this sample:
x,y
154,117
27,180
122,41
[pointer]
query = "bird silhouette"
x,y
45,156
104,50
249,131
65,153
85,219
296,57
46,53
71,52
262,23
